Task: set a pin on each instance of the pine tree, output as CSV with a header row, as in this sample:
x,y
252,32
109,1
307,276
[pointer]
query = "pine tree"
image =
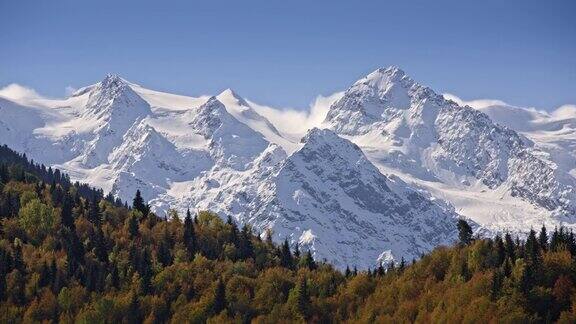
x,y
496,287
94,212
307,261
219,302
246,250
402,265
45,276
54,275
507,267
146,273
464,232
510,247
380,271
132,226
17,260
302,298
4,176
499,250
133,315
297,251
532,248
114,276
139,205
100,248
66,217
163,252
348,273
543,239
285,255
189,235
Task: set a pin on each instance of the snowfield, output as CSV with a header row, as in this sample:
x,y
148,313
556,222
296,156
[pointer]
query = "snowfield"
x,y
380,173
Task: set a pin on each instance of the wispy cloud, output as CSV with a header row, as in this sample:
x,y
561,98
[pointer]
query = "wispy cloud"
x,y
297,122
69,90
565,111
17,92
562,112
477,103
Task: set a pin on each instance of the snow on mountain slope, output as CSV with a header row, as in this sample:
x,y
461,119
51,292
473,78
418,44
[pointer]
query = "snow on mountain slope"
x,y
553,133
328,198
455,152
333,200
241,110
385,198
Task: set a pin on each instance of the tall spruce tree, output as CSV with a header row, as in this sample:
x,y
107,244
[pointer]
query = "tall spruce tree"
x,y
138,203
219,301
189,234
286,256
543,238
94,212
464,232
66,216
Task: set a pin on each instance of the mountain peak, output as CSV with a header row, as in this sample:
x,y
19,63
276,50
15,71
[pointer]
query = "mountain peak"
x,y
384,78
231,95
113,96
112,81
317,138
316,134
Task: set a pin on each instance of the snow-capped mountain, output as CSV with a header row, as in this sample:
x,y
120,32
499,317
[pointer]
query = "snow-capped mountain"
x,y
384,176
487,171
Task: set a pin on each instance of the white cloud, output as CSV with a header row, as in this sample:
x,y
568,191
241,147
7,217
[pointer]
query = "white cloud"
x,y
69,90
476,104
565,111
16,92
297,122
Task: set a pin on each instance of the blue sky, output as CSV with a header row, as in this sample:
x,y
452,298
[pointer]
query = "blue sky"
x,y
286,53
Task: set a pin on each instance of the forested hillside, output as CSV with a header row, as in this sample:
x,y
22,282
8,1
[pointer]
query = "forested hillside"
x,y
68,254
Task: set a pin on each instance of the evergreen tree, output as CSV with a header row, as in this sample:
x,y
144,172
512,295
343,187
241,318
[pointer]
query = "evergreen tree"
x,y
17,260
189,235
146,273
532,248
402,265
307,261
132,226
54,276
45,276
380,271
543,239
297,251
464,232
114,276
163,252
499,250
100,248
285,255
66,217
509,246
507,267
133,315
219,301
496,287
94,212
302,298
139,205
4,176
246,250
348,273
